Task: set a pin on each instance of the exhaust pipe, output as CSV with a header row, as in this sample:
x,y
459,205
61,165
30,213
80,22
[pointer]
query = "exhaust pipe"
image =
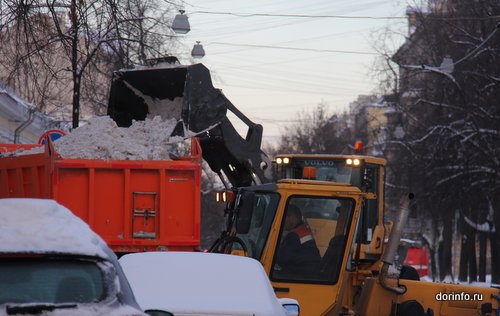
x,y
392,247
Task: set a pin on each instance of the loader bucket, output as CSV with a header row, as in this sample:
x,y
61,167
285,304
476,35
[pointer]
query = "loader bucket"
x,y
186,94
181,92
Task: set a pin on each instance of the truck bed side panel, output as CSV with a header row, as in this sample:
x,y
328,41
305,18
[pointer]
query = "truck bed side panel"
x,y
181,193
25,176
133,205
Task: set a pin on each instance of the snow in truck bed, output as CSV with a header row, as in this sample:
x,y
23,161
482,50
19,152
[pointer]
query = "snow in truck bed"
x,y
102,139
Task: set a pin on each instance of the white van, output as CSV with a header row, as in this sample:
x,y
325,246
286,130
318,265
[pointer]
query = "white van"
x,y
197,283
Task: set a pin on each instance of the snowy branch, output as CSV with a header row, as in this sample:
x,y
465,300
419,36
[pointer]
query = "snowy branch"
x,y
439,104
485,227
437,70
465,172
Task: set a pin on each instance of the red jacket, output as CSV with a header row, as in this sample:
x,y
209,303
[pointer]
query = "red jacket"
x,y
303,232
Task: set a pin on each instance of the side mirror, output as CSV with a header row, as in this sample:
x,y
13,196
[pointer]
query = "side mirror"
x,y
245,211
290,306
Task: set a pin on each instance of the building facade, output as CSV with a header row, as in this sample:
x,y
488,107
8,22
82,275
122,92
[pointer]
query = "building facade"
x,y
21,122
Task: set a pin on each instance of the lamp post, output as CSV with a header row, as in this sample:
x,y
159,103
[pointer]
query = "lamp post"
x,y
399,132
180,24
198,51
447,65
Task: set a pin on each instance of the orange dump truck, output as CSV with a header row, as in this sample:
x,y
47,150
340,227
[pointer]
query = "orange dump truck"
x,y
134,205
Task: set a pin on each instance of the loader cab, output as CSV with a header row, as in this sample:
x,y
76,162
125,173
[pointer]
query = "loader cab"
x,y
364,172
305,258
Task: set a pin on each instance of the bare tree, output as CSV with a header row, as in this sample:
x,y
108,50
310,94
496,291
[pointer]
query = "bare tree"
x,y
143,30
318,133
51,43
448,95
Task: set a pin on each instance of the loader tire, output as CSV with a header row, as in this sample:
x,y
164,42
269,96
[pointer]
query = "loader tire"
x,y
409,273
410,308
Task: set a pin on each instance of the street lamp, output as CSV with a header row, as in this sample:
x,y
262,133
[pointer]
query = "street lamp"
x,y
180,24
198,51
399,132
447,65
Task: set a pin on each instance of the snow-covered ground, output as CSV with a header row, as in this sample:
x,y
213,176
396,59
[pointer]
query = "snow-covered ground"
x,y
449,279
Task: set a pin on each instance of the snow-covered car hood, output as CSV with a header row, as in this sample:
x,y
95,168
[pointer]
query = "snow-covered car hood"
x,y
86,310
44,226
200,284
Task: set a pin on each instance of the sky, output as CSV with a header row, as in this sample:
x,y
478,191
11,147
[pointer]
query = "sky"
x,y
276,59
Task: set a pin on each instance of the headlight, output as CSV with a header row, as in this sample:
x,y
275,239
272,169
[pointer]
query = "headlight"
x,y
282,160
224,196
355,162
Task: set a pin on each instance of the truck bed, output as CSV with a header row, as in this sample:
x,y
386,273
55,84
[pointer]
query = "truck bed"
x,y
133,205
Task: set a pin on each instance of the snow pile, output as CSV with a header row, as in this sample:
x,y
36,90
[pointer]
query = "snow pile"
x,y
165,108
41,226
101,138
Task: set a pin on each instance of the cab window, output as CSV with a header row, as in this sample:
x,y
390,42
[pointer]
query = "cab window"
x,y
264,210
312,239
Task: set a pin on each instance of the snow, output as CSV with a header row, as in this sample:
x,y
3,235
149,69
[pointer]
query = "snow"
x,y
165,108
451,280
160,65
90,310
44,226
102,139
200,283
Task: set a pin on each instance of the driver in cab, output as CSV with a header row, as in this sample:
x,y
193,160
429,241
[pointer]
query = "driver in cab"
x,y
298,254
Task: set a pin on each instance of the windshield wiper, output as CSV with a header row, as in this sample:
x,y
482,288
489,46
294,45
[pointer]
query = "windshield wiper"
x,y
35,308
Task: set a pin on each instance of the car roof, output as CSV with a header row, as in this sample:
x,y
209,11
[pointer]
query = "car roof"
x,y
188,283
44,226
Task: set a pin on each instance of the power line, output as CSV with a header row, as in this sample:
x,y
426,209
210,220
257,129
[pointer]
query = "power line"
x,y
351,17
296,48
303,15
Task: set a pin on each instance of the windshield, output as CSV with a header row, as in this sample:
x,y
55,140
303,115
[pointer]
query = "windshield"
x,y
44,280
264,210
312,240
366,178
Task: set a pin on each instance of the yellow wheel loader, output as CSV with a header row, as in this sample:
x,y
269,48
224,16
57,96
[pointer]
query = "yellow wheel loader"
x,y
333,225
339,283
